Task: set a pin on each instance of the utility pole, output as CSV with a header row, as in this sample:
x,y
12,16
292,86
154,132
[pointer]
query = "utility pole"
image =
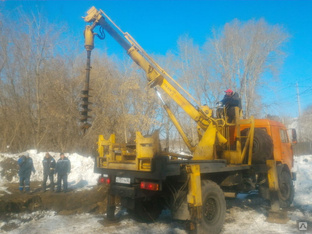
x,y
299,112
298,100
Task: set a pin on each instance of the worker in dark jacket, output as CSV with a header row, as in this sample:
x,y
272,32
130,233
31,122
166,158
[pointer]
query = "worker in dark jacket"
x,y
230,101
26,166
62,169
48,164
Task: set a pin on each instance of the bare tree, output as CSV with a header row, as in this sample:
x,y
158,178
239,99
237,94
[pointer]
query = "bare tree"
x,y
305,128
31,71
242,53
41,75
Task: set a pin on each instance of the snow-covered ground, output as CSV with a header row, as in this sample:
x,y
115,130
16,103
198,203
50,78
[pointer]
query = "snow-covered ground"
x,y
239,219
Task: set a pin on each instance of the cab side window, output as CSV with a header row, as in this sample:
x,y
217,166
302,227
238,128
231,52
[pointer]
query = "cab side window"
x,y
284,136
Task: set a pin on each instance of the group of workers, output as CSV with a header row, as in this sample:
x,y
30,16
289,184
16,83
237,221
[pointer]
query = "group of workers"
x,y
50,167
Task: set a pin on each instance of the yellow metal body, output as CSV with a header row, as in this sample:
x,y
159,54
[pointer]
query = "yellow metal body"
x,y
89,38
194,196
179,128
146,149
155,78
272,175
136,157
205,148
237,156
275,214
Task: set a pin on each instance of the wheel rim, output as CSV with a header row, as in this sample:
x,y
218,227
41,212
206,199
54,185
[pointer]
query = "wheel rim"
x,y
210,209
284,190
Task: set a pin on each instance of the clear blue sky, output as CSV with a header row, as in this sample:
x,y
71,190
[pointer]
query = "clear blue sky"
x,y
157,25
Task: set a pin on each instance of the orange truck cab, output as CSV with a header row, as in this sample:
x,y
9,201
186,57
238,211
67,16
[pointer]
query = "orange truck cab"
x,y
282,146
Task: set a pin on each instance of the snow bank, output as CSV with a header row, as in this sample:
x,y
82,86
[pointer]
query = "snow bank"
x,y
303,183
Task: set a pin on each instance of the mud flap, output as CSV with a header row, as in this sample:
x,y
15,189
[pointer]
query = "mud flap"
x,y
275,214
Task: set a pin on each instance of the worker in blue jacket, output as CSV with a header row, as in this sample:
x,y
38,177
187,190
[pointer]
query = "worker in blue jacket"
x,y
26,166
48,164
62,169
231,100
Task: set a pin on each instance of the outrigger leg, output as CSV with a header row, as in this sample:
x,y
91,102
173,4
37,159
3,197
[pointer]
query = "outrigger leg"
x,y
111,207
276,214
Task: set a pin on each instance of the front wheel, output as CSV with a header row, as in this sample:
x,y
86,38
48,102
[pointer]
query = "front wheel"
x,y
213,208
286,188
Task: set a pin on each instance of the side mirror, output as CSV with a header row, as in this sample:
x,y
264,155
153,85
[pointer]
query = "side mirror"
x,y
293,136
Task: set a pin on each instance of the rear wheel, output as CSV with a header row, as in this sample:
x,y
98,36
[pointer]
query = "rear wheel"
x,y
262,149
213,209
286,188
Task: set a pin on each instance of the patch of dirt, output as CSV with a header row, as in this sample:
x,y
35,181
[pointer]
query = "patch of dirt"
x,y
75,201
92,200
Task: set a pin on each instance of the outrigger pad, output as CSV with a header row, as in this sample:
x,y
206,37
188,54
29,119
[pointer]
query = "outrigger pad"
x,y
280,217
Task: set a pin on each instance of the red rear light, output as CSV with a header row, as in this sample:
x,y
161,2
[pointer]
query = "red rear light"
x,y
101,180
104,180
149,186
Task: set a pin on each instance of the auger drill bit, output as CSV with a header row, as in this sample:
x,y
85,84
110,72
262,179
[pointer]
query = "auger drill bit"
x,y
89,45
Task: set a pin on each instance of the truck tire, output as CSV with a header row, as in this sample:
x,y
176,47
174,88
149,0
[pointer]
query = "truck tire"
x,y
146,210
286,188
213,209
262,149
